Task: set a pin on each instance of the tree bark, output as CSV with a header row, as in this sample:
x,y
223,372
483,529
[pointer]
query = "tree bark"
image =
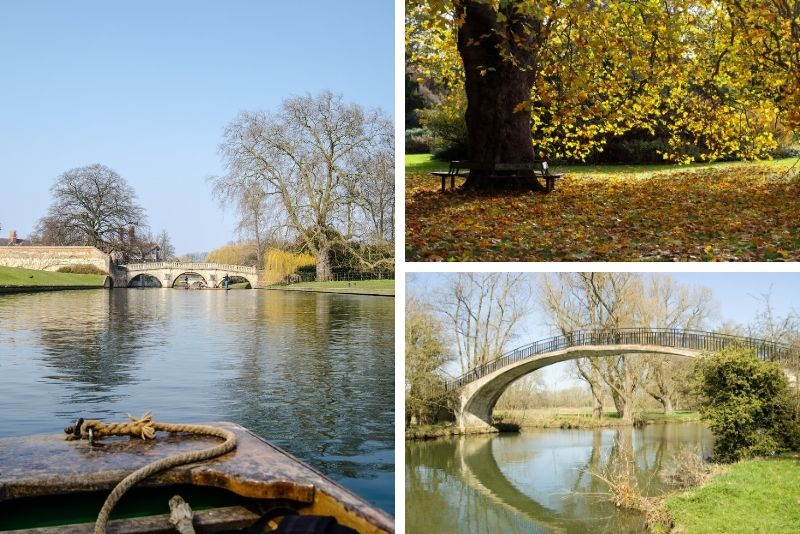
x,y
597,406
666,403
499,59
324,264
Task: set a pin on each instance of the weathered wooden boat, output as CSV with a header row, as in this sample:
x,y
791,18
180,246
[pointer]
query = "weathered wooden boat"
x,y
49,485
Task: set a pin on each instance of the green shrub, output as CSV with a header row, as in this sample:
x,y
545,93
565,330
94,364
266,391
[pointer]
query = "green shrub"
x,y
744,401
446,124
418,141
80,269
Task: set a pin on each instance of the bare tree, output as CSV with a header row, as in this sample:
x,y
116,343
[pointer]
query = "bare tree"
x,y
575,301
484,311
771,326
593,301
93,206
376,194
167,251
50,231
664,303
312,156
260,218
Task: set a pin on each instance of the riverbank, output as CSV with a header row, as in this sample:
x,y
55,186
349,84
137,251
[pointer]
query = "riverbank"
x,y
15,280
441,430
582,418
564,418
383,288
759,495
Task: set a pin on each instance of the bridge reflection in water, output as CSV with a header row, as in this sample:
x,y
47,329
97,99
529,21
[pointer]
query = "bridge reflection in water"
x,y
537,481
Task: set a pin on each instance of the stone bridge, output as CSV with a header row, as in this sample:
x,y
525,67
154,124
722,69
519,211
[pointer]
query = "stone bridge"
x,y
167,272
481,387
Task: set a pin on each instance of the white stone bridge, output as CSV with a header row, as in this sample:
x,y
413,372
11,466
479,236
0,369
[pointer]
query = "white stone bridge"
x,y
480,388
168,272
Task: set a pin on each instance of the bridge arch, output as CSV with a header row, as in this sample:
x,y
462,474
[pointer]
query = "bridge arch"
x,y
180,279
480,388
144,280
212,274
233,279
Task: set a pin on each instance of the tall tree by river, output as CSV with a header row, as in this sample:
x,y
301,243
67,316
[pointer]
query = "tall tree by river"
x,y
93,206
317,160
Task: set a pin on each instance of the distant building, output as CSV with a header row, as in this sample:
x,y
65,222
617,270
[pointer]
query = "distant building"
x,y
12,240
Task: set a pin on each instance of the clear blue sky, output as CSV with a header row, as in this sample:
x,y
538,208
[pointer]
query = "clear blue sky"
x,y
146,88
738,294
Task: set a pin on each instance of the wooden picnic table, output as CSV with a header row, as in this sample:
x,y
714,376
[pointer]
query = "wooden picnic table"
x,y
502,170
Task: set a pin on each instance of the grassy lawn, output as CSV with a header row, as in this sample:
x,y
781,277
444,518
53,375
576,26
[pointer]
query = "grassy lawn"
x,y
363,284
714,212
365,287
421,164
753,496
13,277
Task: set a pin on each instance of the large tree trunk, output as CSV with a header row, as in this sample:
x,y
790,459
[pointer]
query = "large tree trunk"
x,y
666,403
597,407
597,400
619,403
593,379
498,126
324,264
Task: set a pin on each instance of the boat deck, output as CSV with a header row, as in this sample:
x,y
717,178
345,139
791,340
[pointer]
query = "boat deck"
x,y
41,466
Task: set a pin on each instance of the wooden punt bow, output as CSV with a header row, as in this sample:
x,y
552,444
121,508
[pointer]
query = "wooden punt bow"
x,y
257,476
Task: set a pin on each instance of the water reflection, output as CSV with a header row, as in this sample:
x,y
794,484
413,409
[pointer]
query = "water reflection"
x,y
314,373
94,350
537,481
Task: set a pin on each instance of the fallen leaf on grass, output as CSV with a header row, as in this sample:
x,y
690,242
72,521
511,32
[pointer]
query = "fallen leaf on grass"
x,y
707,215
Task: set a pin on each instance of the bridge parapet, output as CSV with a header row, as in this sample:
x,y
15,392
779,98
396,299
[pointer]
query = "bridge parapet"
x,y
684,339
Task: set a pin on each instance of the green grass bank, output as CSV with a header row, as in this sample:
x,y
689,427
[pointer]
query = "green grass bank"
x,y
760,495
357,287
13,277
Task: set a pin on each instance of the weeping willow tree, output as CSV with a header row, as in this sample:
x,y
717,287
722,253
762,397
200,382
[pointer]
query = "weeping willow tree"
x,y
279,264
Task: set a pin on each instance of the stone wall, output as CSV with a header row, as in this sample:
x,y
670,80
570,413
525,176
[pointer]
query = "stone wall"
x,y
51,258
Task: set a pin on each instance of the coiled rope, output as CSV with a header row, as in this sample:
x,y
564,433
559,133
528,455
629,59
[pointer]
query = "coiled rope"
x,y
145,428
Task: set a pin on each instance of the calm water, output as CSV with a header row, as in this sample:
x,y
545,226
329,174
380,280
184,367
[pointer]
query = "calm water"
x,y
536,481
313,373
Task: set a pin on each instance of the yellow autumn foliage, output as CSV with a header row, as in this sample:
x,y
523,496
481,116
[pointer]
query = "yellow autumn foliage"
x,y
233,254
280,263
714,79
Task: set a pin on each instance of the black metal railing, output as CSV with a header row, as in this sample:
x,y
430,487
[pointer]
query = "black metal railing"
x,y
677,338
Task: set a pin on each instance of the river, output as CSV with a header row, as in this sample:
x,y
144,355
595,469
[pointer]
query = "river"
x,y
311,372
538,480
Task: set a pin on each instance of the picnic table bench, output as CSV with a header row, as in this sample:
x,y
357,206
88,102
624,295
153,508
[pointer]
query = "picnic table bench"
x,y
516,171
455,170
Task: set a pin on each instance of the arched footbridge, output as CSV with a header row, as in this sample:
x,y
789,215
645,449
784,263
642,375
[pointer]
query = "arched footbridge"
x,y
168,272
481,387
